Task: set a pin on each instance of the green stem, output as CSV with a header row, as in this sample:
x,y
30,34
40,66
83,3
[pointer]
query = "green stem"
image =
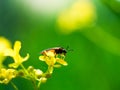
x,y
39,83
14,86
33,80
50,69
24,69
34,84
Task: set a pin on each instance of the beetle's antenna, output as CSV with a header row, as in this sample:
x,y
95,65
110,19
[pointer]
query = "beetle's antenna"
x,y
68,49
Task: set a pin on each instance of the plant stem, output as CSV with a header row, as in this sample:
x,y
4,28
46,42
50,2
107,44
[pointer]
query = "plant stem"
x,y
50,69
14,86
39,83
34,84
32,79
24,69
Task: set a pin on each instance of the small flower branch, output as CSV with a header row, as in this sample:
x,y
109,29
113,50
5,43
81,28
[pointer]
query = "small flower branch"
x,y
14,86
36,76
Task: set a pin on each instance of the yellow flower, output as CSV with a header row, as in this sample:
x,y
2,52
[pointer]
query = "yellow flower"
x,y
4,44
80,15
43,79
38,74
52,60
14,53
6,75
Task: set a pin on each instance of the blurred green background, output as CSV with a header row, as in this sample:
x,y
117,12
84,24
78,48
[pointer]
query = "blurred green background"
x,y
94,63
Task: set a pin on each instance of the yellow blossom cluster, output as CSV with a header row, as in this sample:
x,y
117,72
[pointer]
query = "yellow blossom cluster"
x,y
14,53
81,14
12,71
6,75
4,44
5,50
53,60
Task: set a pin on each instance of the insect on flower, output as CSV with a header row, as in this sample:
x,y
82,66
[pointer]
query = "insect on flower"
x,y
54,55
55,51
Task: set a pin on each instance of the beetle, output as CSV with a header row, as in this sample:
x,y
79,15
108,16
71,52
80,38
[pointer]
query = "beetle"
x,y
55,50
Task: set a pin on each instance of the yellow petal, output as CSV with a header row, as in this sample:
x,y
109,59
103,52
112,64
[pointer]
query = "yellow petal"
x,y
8,52
17,46
18,60
57,66
4,43
42,58
61,61
14,65
26,58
